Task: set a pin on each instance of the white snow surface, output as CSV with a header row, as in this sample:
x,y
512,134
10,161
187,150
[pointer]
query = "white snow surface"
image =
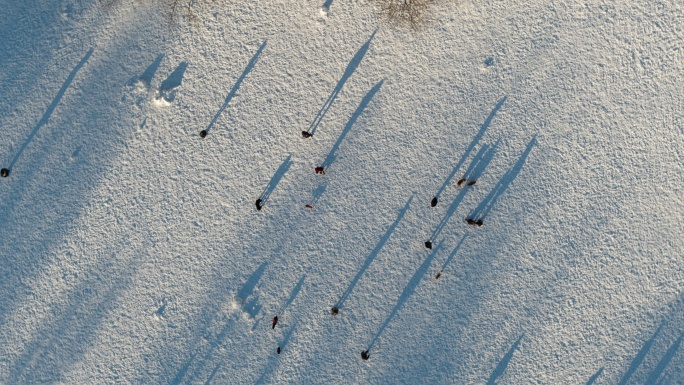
x,y
132,252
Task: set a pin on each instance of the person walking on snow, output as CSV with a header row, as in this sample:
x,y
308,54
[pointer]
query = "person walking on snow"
x,y
320,170
275,322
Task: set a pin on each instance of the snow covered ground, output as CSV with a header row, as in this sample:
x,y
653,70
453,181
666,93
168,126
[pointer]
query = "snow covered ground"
x,y
132,251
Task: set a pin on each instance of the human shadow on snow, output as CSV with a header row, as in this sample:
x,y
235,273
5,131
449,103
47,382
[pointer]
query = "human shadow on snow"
x,y
503,364
249,303
233,91
656,375
265,195
373,254
359,110
476,168
453,254
351,67
483,209
406,294
470,147
274,362
593,378
51,108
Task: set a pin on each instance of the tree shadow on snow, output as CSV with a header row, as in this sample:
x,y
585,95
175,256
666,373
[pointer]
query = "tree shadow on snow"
x,y
73,325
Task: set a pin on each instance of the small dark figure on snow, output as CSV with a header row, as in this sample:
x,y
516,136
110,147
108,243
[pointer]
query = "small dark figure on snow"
x,y
365,355
278,350
306,134
4,173
334,310
460,182
203,133
259,204
479,222
309,207
471,221
438,275
428,244
472,182
275,322
433,203
320,170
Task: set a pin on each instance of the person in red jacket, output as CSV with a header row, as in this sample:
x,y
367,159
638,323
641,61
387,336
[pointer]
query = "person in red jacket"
x,y
275,322
320,170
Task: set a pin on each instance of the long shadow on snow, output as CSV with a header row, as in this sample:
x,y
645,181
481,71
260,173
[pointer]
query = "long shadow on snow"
x,y
275,179
233,91
279,312
593,378
374,253
51,108
453,253
250,305
56,348
640,356
317,194
483,209
472,145
655,376
653,363
351,67
476,168
213,373
26,27
271,367
219,339
503,364
62,192
406,294
293,294
359,110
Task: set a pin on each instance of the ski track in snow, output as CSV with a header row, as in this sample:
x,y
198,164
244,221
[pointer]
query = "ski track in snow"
x,y
133,253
